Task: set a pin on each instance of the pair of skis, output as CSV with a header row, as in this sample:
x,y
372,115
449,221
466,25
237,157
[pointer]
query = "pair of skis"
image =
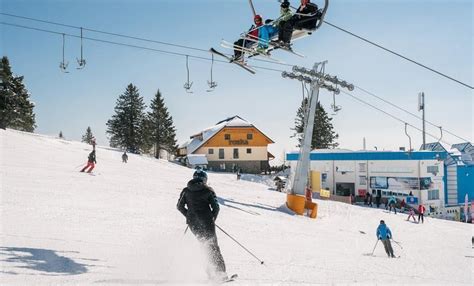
x,y
231,278
241,63
252,52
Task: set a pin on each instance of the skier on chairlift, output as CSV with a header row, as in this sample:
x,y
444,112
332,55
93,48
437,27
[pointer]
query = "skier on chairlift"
x,y
306,17
272,28
253,34
283,22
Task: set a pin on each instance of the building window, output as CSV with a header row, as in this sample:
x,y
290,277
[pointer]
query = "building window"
x,y
211,151
433,195
249,136
227,136
221,153
249,150
432,169
362,167
236,153
362,180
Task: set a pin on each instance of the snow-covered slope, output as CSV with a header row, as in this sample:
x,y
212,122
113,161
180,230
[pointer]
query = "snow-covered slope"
x,y
121,227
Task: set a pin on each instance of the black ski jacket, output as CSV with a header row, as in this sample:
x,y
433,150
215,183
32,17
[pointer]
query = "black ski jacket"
x,y
92,157
198,203
307,22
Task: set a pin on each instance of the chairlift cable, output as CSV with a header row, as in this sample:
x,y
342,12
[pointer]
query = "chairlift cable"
x,y
400,55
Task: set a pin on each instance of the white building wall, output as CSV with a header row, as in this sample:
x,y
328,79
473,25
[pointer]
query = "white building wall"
x,y
258,153
333,172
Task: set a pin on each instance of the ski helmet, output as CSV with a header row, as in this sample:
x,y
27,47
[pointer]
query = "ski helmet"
x,y
285,4
382,222
257,18
200,174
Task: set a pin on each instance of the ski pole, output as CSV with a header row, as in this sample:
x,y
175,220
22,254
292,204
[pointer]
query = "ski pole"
x,y
186,230
375,247
78,166
397,243
261,261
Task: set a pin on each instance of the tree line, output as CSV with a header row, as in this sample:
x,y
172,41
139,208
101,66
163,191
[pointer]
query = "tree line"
x,y
137,131
16,108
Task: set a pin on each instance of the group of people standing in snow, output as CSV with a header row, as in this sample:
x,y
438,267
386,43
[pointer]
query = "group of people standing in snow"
x,y
306,17
391,204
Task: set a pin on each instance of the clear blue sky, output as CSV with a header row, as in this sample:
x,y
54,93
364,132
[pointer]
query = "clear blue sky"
x,y
436,33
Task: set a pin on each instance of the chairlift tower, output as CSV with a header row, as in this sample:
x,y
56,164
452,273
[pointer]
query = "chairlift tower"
x,y
317,79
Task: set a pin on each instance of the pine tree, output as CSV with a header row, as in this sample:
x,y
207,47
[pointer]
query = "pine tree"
x,y
160,130
126,126
87,138
16,109
323,134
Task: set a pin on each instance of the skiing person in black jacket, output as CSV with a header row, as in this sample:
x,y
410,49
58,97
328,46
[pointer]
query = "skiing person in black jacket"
x,y
198,203
91,161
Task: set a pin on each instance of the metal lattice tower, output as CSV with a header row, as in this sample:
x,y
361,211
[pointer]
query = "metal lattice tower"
x,y
316,79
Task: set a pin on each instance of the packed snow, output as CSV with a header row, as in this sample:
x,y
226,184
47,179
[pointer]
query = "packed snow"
x,y
120,226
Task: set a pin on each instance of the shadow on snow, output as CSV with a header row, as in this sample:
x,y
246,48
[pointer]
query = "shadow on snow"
x,y
43,260
228,203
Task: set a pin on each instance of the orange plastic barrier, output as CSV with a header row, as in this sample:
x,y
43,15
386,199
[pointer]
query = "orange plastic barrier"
x,y
295,203
313,207
299,204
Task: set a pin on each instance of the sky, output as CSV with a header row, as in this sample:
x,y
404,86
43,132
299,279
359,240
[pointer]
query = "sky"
x,y
438,34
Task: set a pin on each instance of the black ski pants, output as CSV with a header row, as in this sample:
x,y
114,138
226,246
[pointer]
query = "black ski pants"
x,y
377,201
388,247
206,234
238,47
285,28
392,206
420,215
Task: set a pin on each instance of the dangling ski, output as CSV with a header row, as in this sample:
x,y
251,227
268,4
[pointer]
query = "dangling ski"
x,y
231,278
231,60
252,52
275,45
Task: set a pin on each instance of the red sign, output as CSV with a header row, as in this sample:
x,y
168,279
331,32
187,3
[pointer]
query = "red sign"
x,y
361,192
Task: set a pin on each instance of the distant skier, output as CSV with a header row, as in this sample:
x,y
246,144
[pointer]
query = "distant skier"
x,y
124,157
384,234
403,205
411,213
370,199
238,174
91,161
391,204
93,143
378,197
421,213
280,185
198,203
